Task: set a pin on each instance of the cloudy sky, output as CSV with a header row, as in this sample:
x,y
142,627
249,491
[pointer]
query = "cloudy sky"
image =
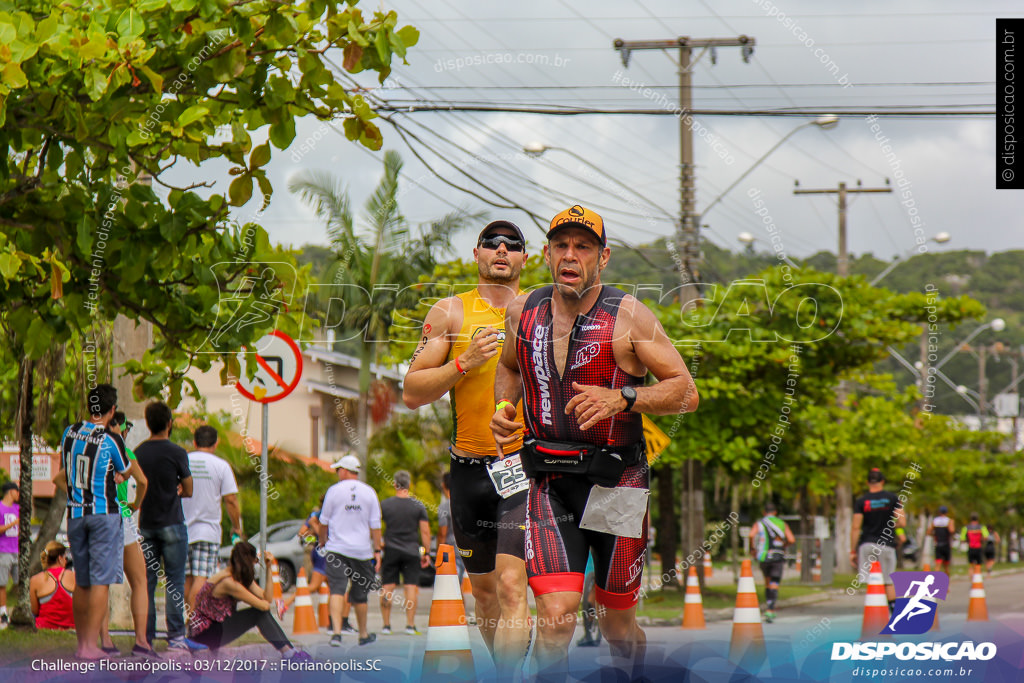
x,y
811,59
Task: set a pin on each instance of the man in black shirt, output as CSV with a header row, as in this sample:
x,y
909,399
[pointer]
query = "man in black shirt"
x,y
876,515
406,539
162,523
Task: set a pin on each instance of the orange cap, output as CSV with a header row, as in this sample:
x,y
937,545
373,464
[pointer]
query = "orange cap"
x,y
578,217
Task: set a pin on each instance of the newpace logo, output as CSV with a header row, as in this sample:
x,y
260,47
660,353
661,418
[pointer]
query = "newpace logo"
x,y
914,613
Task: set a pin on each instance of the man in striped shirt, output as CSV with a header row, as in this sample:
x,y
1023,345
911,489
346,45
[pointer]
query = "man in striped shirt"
x,y
91,456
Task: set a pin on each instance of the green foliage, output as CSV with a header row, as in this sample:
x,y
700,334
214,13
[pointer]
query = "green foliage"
x,y
100,98
297,486
417,442
379,262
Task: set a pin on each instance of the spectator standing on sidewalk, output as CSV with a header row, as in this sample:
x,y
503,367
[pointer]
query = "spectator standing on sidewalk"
x,y
91,457
162,523
350,520
213,483
9,512
406,540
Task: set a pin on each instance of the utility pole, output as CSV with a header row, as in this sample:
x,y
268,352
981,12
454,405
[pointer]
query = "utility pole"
x,y
688,254
844,489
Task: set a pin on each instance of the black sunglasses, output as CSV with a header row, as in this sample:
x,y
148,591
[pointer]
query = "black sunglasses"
x,y
495,241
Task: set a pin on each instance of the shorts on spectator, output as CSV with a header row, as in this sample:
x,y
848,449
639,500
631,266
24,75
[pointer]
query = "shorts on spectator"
x,y
341,568
202,559
397,563
8,568
97,546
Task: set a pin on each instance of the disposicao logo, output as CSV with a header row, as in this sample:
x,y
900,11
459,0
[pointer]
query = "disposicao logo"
x,y
914,613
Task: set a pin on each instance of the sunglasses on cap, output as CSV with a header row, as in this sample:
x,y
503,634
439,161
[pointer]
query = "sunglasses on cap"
x,y
495,241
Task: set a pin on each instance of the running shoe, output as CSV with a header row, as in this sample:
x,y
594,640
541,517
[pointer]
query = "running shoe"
x,y
368,639
347,628
336,640
386,631
769,616
411,631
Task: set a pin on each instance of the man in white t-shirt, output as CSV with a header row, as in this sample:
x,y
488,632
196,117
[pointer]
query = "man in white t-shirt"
x,y
350,518
213,484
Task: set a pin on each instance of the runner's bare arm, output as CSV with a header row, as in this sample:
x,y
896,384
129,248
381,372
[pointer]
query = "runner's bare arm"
x,y
141,483
429,375
675,392
508,381
234,511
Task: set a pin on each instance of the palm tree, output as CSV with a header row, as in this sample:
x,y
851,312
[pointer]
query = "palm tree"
x,y
378,264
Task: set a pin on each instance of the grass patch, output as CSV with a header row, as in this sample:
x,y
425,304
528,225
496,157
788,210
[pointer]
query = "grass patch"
x,y
668,604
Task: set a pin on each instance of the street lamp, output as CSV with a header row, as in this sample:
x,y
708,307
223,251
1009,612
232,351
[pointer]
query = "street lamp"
x,y
827,122
748,239
536,149
939,238
996,325
966,395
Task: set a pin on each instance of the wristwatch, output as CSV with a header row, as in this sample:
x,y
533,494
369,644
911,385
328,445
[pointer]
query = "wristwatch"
x,y
628,393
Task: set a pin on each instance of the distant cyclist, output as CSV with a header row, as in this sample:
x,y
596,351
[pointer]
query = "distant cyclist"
x,y
768,540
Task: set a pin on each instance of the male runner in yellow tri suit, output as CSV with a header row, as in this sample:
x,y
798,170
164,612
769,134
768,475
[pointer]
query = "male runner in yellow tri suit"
x,y
458,354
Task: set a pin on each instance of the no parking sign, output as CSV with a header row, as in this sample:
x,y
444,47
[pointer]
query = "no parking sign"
x,y
280,367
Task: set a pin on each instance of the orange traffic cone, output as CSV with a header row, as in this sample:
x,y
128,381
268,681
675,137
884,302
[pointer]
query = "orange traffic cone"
x,y
977,608
305,619
276,577
448,655
693,607
708,568
816,570
467,587
324,607
935,623
876,606
747,634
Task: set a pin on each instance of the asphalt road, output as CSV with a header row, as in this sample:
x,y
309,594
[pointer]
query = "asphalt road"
x,y
798,645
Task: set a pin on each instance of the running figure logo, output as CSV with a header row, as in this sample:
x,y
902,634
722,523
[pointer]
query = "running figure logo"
x,y
914,613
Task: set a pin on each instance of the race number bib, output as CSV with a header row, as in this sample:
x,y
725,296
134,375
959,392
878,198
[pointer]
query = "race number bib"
x,y
507,476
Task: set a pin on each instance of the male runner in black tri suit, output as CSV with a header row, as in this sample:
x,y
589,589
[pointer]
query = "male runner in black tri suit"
x,y
942,530
577,354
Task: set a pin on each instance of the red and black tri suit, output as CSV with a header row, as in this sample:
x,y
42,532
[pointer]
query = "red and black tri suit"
x,y
556,548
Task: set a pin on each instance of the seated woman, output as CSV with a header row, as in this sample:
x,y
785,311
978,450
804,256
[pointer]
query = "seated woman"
x,y
50,590
215,622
